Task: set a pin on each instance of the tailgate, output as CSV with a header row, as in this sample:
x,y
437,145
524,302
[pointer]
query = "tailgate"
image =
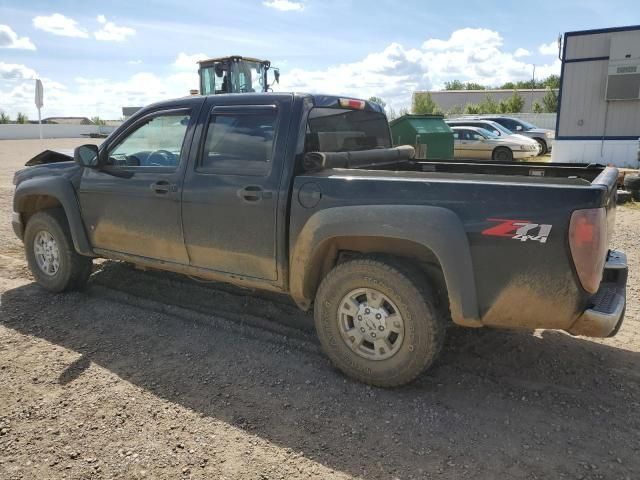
x,y
609,180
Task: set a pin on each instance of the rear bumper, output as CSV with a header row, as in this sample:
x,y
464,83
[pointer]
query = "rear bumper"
x,y
16,223
605,315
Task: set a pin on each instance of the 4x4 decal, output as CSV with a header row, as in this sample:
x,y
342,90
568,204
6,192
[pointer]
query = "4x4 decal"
x,y
522,230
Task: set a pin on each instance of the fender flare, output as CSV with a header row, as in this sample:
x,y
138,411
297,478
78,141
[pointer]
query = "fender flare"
x,y
436,228
61,189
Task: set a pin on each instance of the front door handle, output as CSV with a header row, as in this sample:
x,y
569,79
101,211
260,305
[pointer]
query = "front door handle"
x,y
162,187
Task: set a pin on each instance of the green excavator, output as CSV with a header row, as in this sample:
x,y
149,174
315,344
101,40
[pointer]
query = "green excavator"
x,y
236,74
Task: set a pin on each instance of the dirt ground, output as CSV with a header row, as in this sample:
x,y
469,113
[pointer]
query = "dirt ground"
x,y
151,375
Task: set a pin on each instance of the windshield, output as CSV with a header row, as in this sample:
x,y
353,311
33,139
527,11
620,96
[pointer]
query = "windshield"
x,y
501,129
228,76
526,126
343,130
248,76
487,134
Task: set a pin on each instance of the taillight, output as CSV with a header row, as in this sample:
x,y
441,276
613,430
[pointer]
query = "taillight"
x,y
588,243
352,103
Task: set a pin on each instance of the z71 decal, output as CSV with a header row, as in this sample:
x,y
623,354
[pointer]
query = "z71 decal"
x,y
522,230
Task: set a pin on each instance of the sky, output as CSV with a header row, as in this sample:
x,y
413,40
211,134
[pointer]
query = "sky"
x,y
96,57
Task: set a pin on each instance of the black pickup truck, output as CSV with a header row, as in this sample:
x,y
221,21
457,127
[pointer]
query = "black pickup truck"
x,y
305,195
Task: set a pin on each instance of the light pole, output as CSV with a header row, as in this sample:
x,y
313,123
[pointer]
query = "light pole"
x,y
533,84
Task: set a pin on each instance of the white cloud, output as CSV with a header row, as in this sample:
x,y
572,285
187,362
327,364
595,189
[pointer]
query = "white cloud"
x,y
475,55
110,32
189,62
550,48
393,73
521,52
10,39
134,62
15,71
465,39
284,5
58,24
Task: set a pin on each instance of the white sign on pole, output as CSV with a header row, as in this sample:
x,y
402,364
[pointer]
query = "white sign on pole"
x,y
39,102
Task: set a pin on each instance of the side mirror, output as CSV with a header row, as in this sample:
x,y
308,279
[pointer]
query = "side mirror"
x,y
276,75
86,156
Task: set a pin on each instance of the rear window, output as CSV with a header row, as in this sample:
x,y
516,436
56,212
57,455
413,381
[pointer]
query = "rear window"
x,y
343,130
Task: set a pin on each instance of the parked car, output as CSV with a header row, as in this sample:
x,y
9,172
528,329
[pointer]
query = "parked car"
x,y
543,136
304,195
481,144
494,128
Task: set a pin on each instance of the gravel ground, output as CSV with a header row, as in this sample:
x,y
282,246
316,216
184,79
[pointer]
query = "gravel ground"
x,y
151,375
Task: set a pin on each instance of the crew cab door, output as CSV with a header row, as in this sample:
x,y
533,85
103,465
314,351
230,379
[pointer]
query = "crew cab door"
x,y
230,195
132,204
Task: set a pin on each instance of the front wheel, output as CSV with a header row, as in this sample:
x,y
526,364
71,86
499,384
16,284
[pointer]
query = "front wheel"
x,y
51,256
377,321
502,154
543,146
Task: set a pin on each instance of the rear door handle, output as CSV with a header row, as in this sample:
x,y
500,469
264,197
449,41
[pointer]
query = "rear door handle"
x,y
253,193
162,187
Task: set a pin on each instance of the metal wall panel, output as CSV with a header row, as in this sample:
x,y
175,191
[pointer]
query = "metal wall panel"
x,y
588,46
583,110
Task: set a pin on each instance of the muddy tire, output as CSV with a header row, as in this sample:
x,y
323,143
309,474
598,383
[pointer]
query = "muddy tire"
x,y
377,321
502,154
50,254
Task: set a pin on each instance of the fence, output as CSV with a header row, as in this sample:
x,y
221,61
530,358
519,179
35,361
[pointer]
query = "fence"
x,y
13,131
542,120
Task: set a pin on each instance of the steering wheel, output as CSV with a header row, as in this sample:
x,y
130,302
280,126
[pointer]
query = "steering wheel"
x,y
161,158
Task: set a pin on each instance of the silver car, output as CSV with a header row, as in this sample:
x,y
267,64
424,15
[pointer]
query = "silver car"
x,y
480,144
543,136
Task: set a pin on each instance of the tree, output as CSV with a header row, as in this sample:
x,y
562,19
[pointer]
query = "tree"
x,y
454,85
552,81
471,109
474,86
4,118
550,101
489,105
403,111
424,104
379,101
391,114
21,118
537,107
455,110
98,121
515,103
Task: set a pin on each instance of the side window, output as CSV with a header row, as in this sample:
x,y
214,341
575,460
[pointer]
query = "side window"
x,y
456,135
476,136
509,124
239,141
156,143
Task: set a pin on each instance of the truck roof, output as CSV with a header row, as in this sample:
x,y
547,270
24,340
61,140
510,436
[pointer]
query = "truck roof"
x,y
319,100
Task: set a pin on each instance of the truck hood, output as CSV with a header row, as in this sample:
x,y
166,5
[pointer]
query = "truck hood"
x,y
68,168
50,156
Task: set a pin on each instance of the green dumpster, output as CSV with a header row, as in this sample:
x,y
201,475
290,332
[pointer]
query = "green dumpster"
x,y
429,135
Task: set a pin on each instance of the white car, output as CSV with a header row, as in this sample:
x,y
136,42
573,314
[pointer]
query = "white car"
x,y
481,144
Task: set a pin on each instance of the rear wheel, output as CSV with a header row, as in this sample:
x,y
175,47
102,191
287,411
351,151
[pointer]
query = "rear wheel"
x,y
502,154
51,256
543,146
377,321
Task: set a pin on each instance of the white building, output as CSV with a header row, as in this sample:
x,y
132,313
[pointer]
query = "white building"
x,y
599,105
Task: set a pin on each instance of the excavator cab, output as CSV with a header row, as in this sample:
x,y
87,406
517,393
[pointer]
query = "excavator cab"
x,y
235,75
